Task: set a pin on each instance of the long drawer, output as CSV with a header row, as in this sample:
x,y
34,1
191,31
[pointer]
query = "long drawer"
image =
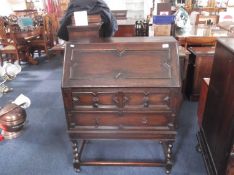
x,y
121,120
146,98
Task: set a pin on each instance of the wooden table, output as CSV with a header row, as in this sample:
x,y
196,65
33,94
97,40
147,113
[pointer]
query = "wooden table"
x,y
198,31
24,37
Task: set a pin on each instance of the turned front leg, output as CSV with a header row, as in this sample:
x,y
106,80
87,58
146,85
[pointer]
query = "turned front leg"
x,y
76,155
168,156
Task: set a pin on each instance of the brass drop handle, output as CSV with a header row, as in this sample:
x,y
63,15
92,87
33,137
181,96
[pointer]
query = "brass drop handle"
x,y
170,125
167,98
144,120
95,104
76,99
72,125
146,104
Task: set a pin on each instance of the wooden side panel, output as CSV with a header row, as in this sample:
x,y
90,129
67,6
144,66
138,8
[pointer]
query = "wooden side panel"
x,y
218,121
200,66
202,100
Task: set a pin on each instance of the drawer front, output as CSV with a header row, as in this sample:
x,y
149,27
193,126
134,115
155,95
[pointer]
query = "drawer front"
x,y
120,120
114,99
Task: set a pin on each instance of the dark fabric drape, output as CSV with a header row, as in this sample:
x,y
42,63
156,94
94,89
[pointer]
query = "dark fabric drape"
x,y
92,7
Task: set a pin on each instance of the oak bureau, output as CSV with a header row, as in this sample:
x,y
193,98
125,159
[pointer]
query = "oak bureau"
x,y
122,88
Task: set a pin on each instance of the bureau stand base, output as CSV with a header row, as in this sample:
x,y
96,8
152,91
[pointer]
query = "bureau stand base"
x,y
78,148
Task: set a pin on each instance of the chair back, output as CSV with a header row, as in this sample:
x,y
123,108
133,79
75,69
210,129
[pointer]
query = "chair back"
x,y
48,29
55,27
7,31
3,30
13,19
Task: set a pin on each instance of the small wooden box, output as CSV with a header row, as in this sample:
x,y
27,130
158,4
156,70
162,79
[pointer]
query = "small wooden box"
x,y
78,33
92,30
162,29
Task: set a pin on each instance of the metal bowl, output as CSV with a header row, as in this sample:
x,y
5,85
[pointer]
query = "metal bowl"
x,y
12,120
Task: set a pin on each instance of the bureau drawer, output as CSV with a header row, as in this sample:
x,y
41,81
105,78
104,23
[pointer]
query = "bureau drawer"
x,y
126,98
120,120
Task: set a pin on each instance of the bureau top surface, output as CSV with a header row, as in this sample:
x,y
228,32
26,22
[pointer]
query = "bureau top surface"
x,y
122,62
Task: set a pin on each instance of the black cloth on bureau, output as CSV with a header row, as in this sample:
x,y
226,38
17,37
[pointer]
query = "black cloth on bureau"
x,y
109,26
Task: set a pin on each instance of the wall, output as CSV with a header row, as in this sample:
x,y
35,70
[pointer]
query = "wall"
x,y
137,9
5,8
116,4
17,4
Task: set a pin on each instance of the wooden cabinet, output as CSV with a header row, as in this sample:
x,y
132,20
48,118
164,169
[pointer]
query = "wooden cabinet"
x,y
122,88
199,66
79,33
216,136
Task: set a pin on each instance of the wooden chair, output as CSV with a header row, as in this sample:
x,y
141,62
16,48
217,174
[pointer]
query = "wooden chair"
x,y
45,40
55,27
10,46
200,41
12,19
202,19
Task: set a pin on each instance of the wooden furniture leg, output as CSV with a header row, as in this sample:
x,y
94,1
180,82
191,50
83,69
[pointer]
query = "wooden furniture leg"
x,y
76,156
77,151
168,156
79,145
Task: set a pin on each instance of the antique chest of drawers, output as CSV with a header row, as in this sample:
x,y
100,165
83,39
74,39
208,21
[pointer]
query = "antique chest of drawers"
x,y
122,88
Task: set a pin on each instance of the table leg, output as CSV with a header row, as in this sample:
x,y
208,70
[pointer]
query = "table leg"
x,y
31,60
